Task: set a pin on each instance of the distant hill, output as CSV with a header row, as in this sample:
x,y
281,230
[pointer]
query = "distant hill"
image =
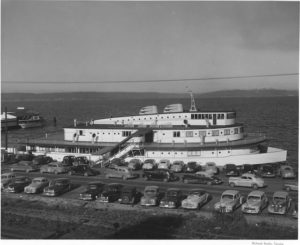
x,y
125,95
251,93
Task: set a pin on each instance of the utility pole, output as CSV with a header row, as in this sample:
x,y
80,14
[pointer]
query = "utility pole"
x,y
5,128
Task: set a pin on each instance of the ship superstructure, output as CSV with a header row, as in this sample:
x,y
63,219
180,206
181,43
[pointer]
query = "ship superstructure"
x,y
175,134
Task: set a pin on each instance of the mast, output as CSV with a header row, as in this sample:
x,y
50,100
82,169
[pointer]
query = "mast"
x,y
193,104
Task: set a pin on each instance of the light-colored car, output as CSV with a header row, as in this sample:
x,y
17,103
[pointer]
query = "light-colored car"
x,y
211,167
164,164
195,199
287,172
149,164
151,196
290,186
255,203
37,185
230,200
54,167
25,166
6,178
177,166
281,202
120,172
247,180
135,164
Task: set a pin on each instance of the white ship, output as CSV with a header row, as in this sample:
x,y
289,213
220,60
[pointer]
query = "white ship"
x,y
175,134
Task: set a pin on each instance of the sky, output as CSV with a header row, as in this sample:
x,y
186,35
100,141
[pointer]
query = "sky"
x,y
71,46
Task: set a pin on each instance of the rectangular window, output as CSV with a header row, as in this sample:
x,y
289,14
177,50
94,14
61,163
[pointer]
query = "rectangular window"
x,y
126,133
226,131
215,133
241,129
236,130
189,133
176,134
81,132
202,133
230,115
193,116
210,116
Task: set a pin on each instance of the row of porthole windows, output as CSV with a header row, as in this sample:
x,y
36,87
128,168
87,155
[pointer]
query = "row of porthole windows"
x,y
162,153
177,134
150,118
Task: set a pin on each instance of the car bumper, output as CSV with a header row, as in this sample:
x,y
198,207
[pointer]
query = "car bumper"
x,y
30,191
51,194
167,205
280,211
250,210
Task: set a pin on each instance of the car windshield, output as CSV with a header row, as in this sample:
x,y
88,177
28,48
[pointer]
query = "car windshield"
x,y
278,199
254,198
150,191
227,197
172,193
177,163
93,187
36,181
197,193
149,161
267,168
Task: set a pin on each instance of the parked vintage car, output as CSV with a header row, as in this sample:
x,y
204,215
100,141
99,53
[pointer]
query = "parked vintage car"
x,y
149,164
120,172
68,161
211,167
267,171
25,166
290,186
116,162
129,195
255,203
135,164
82,160
111,193
192,167
231,170
37,185
18,184
151,196
162,175
6,178
281,202
177,166
230,200
41,160
172,198
201,179
84,170
247,180
164,164
195,199
54,167
93,190
57,187
286,172
24,157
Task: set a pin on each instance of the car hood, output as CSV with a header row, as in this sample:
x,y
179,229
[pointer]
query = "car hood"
x,y
253,203
227,202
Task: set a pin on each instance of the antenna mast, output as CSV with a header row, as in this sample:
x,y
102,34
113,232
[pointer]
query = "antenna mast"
x,y
193,104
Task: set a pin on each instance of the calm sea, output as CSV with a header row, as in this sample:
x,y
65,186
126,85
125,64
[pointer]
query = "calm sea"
x,y
275,116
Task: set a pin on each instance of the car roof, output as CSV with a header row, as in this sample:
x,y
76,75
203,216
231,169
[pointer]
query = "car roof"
x,y
149,187
39,178
231,192
256,193
280,194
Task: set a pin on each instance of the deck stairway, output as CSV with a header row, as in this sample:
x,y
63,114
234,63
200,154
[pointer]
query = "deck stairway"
x,y
123,147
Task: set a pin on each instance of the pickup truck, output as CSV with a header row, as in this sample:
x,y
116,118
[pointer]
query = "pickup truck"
x,y
247,180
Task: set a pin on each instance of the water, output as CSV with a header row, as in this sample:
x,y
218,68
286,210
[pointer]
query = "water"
x,y
275,116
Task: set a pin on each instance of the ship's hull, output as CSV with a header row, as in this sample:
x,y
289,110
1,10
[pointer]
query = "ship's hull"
x,y
31,124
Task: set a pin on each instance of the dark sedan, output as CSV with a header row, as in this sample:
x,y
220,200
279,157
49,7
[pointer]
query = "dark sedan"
x,y
200,179
92,191
58,187
111,193
162,175
83,170
172,198
18,184
231,170
129,195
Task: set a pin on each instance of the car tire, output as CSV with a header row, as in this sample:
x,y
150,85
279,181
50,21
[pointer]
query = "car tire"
x,y
254,186
232,184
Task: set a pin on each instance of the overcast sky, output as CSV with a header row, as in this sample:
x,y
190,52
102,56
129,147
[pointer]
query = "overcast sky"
x,y
84,42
